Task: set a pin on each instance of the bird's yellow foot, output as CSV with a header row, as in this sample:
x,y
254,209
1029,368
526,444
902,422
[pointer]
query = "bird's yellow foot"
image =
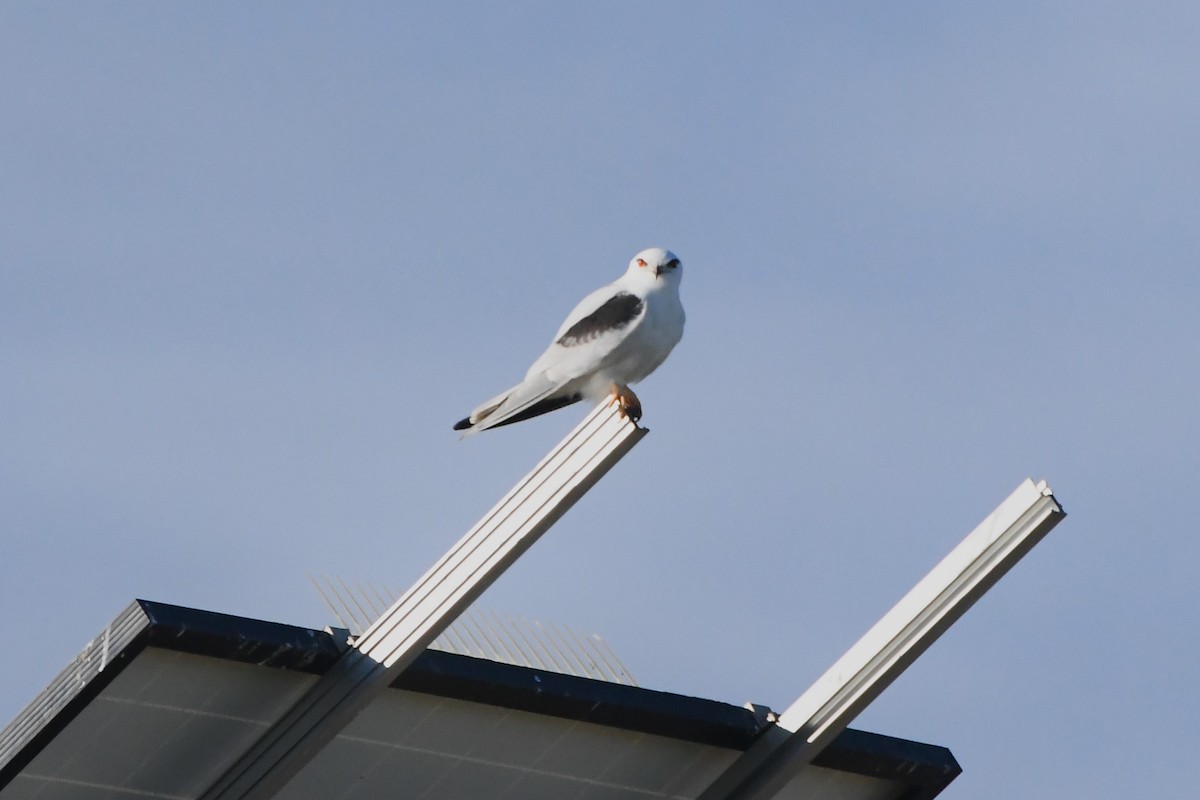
x,y
628,405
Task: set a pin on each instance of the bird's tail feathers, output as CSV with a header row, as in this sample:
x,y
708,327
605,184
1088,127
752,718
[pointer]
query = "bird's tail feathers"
x,y
469,424
534,396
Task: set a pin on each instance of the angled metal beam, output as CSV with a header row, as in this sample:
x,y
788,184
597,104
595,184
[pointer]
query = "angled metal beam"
x,y
416,619
894,642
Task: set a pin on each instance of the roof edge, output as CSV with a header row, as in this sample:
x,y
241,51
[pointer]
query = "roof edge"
x,y
101,660
925,768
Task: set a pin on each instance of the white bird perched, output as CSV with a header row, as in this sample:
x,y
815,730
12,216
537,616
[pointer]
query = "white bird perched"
x,y
616,336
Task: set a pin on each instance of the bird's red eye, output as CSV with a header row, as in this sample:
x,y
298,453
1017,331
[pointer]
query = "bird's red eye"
x,y
641,262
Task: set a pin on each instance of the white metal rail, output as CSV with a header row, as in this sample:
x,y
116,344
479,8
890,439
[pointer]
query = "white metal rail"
x,y
886,650
416,619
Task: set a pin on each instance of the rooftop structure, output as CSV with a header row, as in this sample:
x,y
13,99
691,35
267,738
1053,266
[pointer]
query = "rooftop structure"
x,y
166,698
183,704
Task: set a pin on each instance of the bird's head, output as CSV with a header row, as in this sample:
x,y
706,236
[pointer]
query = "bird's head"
x,y
657,265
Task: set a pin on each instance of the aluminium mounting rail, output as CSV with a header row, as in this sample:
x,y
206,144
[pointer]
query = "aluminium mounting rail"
x,y
783,752
415,620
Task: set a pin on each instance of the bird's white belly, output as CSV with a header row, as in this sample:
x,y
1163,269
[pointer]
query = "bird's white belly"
x,y
643,350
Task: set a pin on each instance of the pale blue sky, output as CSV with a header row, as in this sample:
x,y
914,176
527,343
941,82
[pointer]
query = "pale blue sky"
x,y
255,261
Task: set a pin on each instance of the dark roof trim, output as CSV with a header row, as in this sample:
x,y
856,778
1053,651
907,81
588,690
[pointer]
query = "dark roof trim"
x,y
250,641
581,699
927,769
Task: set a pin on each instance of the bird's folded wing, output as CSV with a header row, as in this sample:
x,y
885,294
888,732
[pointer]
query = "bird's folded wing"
x,y
586,341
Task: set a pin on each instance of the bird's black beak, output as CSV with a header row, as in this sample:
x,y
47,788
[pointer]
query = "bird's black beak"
x,y
661,268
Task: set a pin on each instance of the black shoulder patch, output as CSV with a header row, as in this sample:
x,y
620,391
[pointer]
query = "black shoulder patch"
x,y
620,310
